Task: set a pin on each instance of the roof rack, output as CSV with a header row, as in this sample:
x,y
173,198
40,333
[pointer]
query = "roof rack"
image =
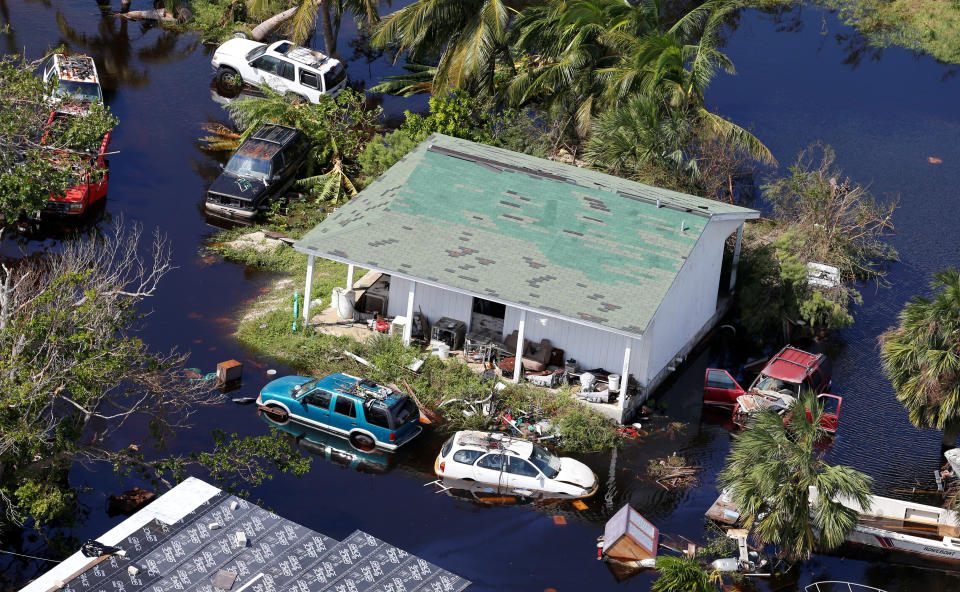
x,y
274,133
369,391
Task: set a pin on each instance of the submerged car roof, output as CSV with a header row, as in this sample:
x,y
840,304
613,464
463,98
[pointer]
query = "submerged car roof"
x,y
76,68
267,141
791,364
495,441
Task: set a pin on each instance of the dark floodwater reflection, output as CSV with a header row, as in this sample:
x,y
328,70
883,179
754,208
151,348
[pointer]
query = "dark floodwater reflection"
x,y
884,113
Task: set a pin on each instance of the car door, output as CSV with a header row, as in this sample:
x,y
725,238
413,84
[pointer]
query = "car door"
x,y
344,416
490,468
267,70
316,406
719,388
830,418
523,476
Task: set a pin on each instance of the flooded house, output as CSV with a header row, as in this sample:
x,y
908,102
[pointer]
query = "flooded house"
x,y
559,265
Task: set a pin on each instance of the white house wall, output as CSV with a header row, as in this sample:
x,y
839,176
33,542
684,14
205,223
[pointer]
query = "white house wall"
x,y
436,303
591,348
689,303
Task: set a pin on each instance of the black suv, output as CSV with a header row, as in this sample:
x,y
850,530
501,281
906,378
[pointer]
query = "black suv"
x,y
263,168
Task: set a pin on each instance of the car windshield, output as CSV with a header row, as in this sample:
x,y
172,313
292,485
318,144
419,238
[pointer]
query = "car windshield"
x,y
86,91
246,166
545,461
256,52
305,387
768,383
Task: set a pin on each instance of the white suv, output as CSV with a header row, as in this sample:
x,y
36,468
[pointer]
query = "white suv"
x,y
286,68
78,82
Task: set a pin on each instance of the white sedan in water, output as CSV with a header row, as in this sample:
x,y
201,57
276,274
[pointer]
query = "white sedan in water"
x,y
513,465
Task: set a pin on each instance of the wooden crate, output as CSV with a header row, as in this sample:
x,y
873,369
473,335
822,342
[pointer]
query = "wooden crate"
x,y
628,536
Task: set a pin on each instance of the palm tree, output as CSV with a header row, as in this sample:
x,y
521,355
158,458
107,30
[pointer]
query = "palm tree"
x,y
466,37
770,471
921,355
644,135
681,574
301,18
569,44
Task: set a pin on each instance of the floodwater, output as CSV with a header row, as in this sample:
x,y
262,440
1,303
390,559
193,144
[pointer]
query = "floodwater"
x,y
802,77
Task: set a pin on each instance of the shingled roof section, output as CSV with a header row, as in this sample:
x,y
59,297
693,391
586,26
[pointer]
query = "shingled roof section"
x,y
509,227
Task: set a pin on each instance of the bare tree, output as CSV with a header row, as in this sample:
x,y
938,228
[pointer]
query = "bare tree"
x,y
71,370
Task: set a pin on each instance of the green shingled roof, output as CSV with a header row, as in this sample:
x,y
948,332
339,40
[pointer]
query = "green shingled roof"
x,y
517,229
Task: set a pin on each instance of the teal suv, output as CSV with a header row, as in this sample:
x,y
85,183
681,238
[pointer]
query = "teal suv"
x,y
369,415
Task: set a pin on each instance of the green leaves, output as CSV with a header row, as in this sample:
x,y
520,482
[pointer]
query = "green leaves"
x,y
921,355
681,574
769,473
34,164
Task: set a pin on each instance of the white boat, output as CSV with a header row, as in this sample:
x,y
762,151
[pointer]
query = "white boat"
x,y
905,526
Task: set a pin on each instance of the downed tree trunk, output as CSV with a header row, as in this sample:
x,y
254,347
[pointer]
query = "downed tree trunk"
x,y
158,14
264,28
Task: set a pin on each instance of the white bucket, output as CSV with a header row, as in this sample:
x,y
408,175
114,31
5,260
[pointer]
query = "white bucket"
x,y
443,350
614,382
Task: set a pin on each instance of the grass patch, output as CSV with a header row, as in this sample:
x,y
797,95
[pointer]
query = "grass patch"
x,y
927,26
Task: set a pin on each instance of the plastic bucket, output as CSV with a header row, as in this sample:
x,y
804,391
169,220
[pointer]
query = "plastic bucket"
x,y
614,382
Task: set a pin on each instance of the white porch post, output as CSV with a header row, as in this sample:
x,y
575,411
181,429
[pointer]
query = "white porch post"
x,y
736,258
625,378
306,289
408,327
350,276
518,360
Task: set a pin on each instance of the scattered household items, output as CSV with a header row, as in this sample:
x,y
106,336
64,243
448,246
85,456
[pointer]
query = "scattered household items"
x,y
787,373
369,415
90,181
286,68
261,170
588,392
169,543
905,526
450,332
513,465
723,510
342,300
536,356
78,83
128,502
825,276
230,371
749,404
630,538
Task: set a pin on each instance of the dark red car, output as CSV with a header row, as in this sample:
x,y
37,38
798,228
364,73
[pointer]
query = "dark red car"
x,y
785,376
91,185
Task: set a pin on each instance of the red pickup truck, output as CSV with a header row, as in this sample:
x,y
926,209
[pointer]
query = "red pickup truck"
x,y
91,183
781,381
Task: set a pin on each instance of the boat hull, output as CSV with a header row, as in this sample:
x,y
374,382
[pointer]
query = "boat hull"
x,y
947,549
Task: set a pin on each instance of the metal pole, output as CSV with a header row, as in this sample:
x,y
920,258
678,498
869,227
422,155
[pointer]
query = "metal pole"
x,y
518,360
736,258
624,379
408,327
350,276
306,289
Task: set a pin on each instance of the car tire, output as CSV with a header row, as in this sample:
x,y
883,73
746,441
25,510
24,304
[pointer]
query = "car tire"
x,y
277,414
240,34
362,442
227,82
